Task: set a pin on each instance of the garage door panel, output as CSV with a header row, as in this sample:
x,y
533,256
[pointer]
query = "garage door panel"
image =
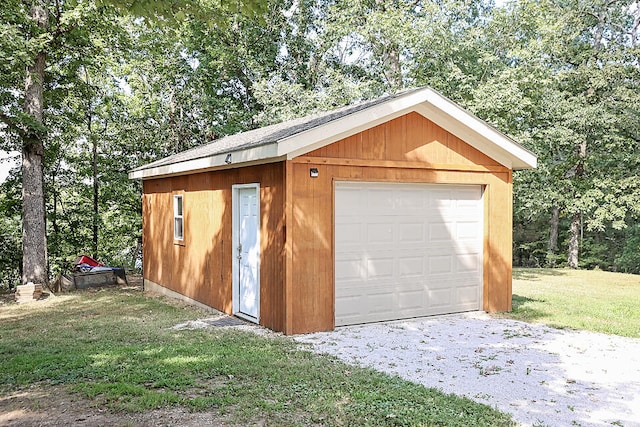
x,y
467,230
410,200
453,280
406,250
349,197
381,304
349,308
444,282
439,298
349,269
468,263
465,199
440,198
467,295
411,300
380,233
379,200
440,264
348,233
379,268
441,231
411,267
411,232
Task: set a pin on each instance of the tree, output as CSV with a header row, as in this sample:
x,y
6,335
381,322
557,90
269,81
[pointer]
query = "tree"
x,y
568,82
35,32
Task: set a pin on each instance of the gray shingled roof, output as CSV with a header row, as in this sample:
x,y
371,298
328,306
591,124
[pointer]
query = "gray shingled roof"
x,y
268,134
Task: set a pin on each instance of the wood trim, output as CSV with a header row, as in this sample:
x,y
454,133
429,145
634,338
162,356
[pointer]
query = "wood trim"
x,y
178,242
236,231
242,158
333,252
288,248
437,177
396,164
351,124
486,247
510,246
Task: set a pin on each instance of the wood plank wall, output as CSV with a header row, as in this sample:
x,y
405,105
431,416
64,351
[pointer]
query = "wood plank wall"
x,y
407,149
200,266
297,283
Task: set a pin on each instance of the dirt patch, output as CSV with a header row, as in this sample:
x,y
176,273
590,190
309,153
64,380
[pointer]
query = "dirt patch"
x,y
56,406
134,283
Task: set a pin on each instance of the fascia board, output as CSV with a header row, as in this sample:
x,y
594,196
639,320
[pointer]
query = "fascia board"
x,y
476,132
318,137
256,155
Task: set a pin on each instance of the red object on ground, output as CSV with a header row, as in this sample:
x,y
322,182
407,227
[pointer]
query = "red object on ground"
x,y
85,259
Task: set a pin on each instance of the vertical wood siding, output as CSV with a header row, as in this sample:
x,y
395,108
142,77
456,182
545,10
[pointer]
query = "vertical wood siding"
x,y
200,266
407,149
297,223
410,138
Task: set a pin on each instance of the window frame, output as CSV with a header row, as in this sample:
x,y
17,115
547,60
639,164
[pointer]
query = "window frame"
x,y
178,216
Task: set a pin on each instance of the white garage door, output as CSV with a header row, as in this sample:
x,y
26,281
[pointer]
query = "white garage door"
x,y
406,250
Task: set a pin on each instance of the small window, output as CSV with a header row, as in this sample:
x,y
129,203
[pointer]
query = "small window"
x,y
178,218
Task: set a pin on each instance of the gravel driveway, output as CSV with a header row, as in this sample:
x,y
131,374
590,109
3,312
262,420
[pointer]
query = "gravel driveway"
x,y
540,375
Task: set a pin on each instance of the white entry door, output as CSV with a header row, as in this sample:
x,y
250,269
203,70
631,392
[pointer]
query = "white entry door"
x,y
406,250
246,244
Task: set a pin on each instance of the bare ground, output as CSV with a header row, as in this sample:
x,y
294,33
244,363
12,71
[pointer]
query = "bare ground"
x,y
57,406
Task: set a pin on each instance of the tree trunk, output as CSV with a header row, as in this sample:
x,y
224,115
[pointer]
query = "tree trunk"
x,y
554,222
54,209
575,230
576,219
392,67
574,240
136,252
390,54
34,235
94,161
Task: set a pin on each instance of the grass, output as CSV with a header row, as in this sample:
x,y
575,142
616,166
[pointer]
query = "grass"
x,y
597,301
117,348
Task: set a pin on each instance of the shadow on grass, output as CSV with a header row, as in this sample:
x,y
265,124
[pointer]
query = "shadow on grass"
x,y
522,308
537,273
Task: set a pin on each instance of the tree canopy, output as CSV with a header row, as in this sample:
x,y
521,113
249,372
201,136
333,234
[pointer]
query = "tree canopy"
x,y
90,90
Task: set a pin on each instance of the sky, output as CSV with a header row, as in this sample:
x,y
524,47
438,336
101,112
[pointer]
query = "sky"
x,y
6,163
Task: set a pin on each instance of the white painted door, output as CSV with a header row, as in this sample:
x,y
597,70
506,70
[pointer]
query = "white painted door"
x,y
406,250
247,249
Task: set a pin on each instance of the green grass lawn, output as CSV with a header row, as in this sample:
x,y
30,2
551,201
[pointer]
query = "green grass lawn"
x,y
117,349
592,300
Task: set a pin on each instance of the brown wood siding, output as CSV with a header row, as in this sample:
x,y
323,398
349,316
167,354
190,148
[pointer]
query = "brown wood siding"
x,y
200,267
407,149
410,138
297,224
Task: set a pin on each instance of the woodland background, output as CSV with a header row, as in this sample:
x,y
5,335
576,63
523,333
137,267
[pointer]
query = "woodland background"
x,y
128,82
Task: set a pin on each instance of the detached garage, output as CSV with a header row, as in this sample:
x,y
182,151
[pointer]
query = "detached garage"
x,y
394,208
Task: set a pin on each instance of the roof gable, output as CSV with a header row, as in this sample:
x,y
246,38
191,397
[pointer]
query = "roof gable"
x,y
410,138
287,140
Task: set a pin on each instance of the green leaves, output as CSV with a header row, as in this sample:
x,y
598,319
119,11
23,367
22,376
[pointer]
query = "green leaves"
x,y
566,93
169,75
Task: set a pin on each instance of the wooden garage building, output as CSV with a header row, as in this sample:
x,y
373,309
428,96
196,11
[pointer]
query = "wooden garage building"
x,y
394,208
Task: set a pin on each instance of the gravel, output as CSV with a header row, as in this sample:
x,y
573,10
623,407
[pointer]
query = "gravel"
x,y
540,375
